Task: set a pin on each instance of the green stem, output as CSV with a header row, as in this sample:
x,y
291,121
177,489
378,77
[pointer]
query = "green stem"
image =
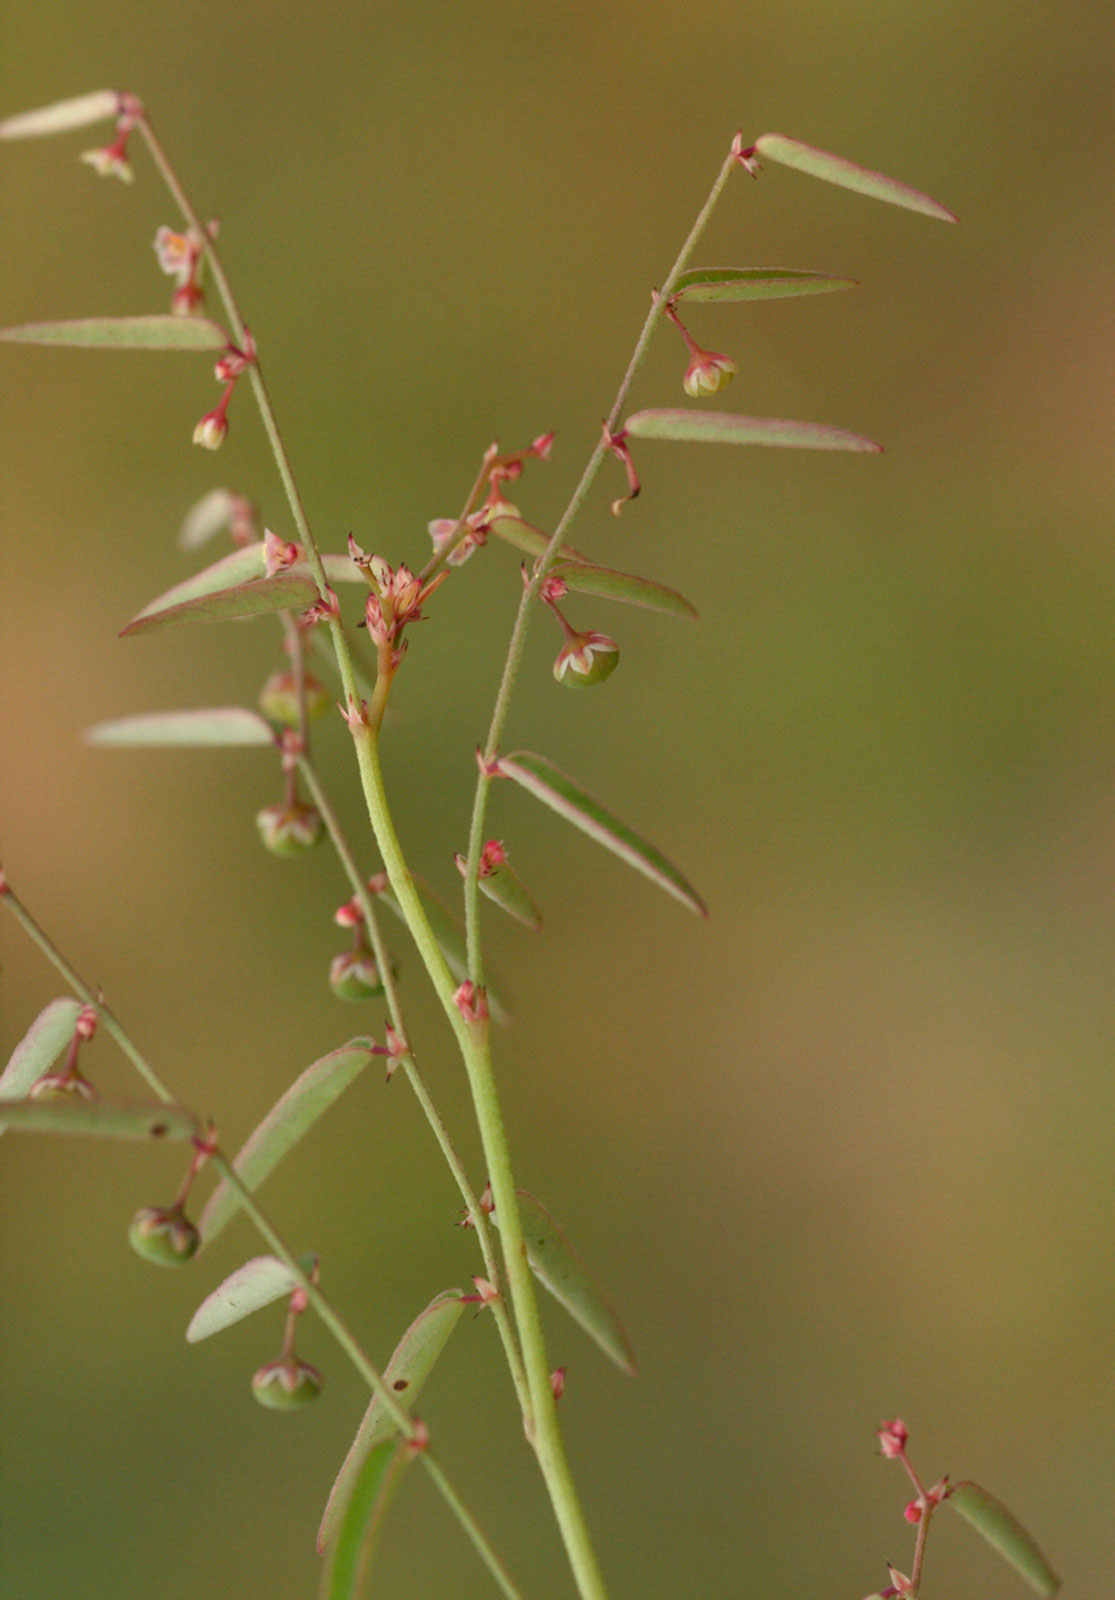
x,y
472,1038
336,1324
418,1084
546,561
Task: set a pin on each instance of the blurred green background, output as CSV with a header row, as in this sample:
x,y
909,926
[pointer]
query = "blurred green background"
x,y
843,1151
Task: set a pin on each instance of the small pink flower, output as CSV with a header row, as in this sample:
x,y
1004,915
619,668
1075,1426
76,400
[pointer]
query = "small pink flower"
x,y
212,431
707,373
557,1382
892,1437
278,554
471,1002
111,161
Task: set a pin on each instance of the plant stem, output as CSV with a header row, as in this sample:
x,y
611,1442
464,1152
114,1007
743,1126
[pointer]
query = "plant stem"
x,y
336,1324
542,567
418,1084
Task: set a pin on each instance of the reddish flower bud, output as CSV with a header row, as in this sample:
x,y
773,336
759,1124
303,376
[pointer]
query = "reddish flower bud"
x,y
892,1438
557,1382
350,915
912,1512
212,431
471,1002
707,373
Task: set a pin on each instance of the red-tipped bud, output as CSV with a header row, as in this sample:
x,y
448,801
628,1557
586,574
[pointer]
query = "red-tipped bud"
x,y
287,1384
708,373
355,976
912,1512
557,1382
86,1025
485,1292
290,830
212,431
892,1438
278,699
164,1235
586,659
350,915
542,446
471,1002
487,1203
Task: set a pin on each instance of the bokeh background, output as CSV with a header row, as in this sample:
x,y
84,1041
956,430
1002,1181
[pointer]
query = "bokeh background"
x,y
842,1151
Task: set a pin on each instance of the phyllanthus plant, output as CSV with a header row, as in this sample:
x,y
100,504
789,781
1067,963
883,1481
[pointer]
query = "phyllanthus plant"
x,y
300,585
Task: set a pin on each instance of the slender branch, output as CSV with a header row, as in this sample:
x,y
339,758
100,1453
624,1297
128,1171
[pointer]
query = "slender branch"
x,y
546,561
332,1319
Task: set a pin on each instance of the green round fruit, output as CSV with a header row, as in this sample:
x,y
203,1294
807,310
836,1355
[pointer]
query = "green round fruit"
x,y
585,660
287,1384
62,1086
164,1235
290,830
355,976
278,699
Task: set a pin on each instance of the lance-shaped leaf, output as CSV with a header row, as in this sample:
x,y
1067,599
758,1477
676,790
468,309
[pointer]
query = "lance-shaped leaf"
x,y
506,889
411,1364
284,592
1004,1533
450,941
559,1268
753,283
625,586
289,1120
205,518
258,1283
513,530
39,1048
350,1561
214,725
724,427
99,1119
63,115
240,567
835,169
558,791
123,333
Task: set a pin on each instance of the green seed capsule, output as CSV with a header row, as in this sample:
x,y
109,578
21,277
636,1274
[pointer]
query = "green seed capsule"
x,y
290,830
355,976
586,659
62,1086
278,699
286,1384
163,1234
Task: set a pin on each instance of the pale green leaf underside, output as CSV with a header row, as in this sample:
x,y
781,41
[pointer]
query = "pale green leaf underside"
x,y
283,592
835,169
123,333
505,888
753,283
558,791
1004,1533
625,586
205,518
450,941
215,725
411,1364
39,1048
99,1119
240,567
724,427
63,115
289,1120
258,1283
346,1571
559,1268
513,530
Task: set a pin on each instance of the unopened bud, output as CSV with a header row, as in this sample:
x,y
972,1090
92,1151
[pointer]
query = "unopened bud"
x,y
355,976
557,1382
286,1384
892,1438
586,659
164,1234
708,373
290,830
212,430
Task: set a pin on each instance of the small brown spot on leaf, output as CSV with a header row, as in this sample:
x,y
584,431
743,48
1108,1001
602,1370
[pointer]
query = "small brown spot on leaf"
x,y
158,1130
400,1384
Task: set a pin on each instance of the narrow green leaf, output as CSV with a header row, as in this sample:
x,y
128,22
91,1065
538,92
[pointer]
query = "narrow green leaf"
x,y
625,586
347,1569
543,780
123,333
411,1364
205,518
283,592
215,725
724,427
239,567
513,530
753,283
258,1283
39,1048
506,889
99,1119
62,115
835,169
289,1120
559,1268
1004,1533
450,941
